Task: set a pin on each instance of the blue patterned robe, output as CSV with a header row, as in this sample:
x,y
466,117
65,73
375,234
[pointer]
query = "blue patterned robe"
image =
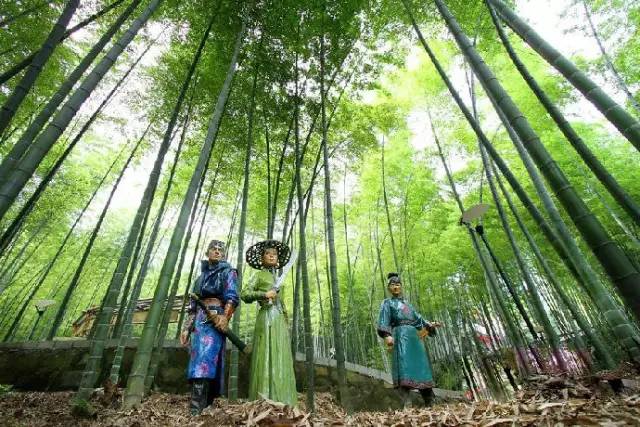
x,y
410,364
207,346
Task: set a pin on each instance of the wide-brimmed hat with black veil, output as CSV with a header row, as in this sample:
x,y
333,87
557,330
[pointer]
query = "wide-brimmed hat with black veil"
x,y
253,256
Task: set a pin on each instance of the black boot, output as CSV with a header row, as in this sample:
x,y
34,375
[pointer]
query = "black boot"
x,y
199,392
214,391
405,397
427,396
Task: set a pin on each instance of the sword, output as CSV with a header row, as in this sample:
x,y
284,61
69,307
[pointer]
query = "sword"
x,y
242,346
285,270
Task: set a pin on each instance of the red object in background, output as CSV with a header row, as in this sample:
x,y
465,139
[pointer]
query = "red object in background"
x,y
486,339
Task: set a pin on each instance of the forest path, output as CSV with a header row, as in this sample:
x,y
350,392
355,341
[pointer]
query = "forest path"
x,y
53,409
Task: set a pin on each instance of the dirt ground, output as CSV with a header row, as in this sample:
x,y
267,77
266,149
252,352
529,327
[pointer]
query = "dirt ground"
x,y
547,402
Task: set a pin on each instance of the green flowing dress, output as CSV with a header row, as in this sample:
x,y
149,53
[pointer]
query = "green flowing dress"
x,y
272,375
410,366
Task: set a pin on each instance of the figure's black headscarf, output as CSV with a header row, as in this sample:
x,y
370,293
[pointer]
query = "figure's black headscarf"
x,y
393,278
217,244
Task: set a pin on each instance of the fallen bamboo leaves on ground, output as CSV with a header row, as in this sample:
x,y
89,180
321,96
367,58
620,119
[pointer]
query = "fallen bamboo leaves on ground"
x,y
545,401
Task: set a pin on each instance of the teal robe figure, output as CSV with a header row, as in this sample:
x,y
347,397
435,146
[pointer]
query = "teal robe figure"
x,y
410,364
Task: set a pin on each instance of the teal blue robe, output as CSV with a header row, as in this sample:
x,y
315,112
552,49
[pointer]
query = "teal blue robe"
x,y
410,364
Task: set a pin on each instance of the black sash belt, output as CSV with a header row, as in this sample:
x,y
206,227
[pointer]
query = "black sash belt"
x,y
404,323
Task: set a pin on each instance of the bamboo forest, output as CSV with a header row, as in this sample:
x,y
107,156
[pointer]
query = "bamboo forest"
x,y
320,212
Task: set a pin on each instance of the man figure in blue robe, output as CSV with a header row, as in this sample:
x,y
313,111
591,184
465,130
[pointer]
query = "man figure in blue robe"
x,y
217,289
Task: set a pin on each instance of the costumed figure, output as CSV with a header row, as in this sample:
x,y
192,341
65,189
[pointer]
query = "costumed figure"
x,y
216,289
272,375
403,330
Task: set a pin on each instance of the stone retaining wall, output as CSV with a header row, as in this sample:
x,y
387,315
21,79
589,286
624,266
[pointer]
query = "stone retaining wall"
x,y
57,365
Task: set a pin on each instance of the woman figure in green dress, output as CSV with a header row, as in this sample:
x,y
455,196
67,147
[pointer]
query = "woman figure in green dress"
x,y
272,375
403,330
